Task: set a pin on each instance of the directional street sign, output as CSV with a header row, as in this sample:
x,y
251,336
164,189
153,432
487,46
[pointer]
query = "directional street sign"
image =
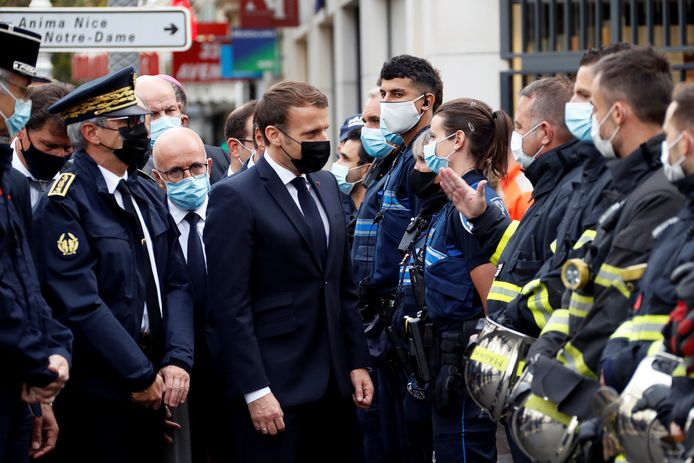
x,y
105,29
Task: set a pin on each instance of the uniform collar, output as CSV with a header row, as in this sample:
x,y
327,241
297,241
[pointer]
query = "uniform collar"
x,y
474,177
548,170
112,180
628,172
179,214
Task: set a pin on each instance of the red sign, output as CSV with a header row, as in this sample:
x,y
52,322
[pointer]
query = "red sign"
x,y
269,14
90,67
200,63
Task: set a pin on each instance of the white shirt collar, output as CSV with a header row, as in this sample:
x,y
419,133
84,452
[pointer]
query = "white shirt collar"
x,y
251,163
179,214
112,179
282,172
17,163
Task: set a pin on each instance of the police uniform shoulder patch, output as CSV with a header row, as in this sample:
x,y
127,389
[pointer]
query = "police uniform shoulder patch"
x,y
61,186
68,244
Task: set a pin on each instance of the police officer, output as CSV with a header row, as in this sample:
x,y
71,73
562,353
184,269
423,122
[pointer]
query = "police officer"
x,y
468,138
112,270
36,348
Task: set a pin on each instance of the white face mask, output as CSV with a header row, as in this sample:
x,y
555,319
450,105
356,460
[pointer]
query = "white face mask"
x,y
517,148
604,146
400,116
673,172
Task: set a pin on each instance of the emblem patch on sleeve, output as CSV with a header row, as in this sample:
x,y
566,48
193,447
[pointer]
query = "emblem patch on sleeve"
x,y
68,244
61,185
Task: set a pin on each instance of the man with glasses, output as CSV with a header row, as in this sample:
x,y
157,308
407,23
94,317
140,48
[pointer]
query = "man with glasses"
x,y
112,270
35,348
239,134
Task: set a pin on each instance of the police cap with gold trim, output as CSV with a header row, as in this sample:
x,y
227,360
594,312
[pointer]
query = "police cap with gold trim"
x,y
112,95
20,51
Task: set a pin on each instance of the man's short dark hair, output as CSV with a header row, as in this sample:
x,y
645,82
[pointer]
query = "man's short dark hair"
x,y
641,77
273,107
42,97
355,135
683,116
422,73
593,55
550,96
235,126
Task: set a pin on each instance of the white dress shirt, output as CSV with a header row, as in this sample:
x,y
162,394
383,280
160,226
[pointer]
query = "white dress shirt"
x,y
179,216
34,191
112,181
286,176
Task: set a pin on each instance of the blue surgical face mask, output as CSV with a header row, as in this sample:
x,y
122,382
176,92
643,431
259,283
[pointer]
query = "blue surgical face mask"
x,y
163,124
578,118
435,163
22,111
189,193
379,143
340,172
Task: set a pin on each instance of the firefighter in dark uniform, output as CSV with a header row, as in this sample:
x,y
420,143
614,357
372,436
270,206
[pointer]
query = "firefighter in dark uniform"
x,y
111,268
627,125
35,348
641,334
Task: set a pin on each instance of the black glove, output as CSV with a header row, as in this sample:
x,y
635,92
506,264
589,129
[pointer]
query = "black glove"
x,y
448,390
656,398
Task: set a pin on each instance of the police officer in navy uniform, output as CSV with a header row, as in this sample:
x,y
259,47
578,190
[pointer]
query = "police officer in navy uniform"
x,y
112,270
34,347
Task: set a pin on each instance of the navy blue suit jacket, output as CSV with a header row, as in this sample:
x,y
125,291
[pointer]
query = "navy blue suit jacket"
x,y
279,316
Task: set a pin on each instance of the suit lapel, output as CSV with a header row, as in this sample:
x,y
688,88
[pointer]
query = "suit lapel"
x,y
279,193
326,198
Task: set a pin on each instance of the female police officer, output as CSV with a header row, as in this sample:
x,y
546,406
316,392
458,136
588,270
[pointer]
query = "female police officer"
x,y
472,140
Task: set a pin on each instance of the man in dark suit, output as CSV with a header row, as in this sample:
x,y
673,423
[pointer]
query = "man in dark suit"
x,y
281,299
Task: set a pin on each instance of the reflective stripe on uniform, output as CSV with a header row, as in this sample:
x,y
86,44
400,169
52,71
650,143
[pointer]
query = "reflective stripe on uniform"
x,y
624,330
611,276
586,237
580,304
655,347
365,227
553,246
503,292
648,327
538,302
390,202
620,459
558,322
572,358
547,408
508,233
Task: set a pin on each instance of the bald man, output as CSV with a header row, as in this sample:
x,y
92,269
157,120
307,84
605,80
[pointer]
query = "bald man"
x,y
182,169
160,97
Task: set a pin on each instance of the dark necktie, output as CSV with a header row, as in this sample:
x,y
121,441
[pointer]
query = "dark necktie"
x,y
151,299
312,216
196,260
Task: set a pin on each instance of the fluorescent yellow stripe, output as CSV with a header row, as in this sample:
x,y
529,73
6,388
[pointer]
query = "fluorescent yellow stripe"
x,y
503,291
620,459
520,367
540,307
648,327
487,357
547,408
624,330
571,357
611,276
558,322
580,304
508,233
586,237
553,246
680,372
655,347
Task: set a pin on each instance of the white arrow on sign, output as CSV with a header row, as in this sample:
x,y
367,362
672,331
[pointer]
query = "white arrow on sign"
x,y
105,29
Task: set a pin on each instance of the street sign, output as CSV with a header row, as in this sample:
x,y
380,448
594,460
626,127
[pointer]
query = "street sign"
x,y
269,14
105,29
199,64
255,50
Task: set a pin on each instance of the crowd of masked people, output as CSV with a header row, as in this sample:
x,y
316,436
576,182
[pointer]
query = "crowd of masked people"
x,y
461,286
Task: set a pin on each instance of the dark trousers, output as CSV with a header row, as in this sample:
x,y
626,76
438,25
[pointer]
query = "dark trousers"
x,y
317,431
105,431
466,435
15,425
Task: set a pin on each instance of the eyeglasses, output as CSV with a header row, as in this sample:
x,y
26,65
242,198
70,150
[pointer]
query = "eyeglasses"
x,y
177,173
132,121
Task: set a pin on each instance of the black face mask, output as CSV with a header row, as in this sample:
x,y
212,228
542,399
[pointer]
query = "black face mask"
x,y
42,166
135,150
423,183
314,155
